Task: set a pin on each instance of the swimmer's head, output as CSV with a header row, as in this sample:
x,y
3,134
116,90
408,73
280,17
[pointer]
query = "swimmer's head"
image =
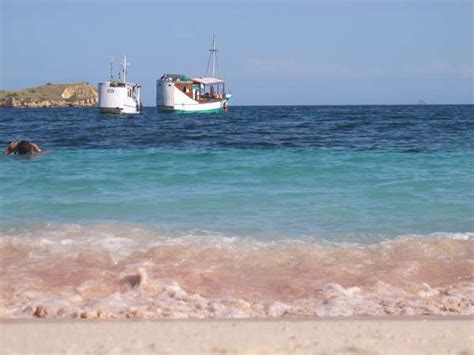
x,y
13,144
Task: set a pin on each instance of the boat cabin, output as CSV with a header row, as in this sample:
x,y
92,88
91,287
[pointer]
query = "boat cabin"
x,y
199,89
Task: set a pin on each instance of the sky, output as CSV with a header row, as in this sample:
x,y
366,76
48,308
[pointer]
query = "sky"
x,y
270,52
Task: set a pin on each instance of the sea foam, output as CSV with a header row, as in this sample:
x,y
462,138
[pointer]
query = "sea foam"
x,y
130,271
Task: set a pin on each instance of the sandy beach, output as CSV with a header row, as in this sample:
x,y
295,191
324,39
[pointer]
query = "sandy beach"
x,y
448,335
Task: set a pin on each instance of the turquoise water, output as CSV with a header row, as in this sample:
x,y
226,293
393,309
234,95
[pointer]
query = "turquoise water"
x,y
338,173
269,194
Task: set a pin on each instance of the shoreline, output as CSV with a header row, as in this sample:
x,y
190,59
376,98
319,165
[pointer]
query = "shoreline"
x,y
354,335
120,272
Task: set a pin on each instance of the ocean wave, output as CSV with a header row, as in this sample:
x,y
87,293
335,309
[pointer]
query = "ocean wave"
x,y
123,271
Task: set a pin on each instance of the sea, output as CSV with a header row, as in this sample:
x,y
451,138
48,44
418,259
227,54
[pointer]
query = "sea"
x,y
261,211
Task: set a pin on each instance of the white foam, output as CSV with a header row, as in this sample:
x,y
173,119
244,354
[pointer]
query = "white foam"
x,y
118,271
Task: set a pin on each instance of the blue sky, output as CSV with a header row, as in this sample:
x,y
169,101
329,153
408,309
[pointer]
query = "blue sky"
x,y
271,52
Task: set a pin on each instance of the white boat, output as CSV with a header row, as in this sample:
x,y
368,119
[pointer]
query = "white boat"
x,y
118,96
180,93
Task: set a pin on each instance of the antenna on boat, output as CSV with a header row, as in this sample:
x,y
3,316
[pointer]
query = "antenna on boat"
x,y
212,62
111,68
123,72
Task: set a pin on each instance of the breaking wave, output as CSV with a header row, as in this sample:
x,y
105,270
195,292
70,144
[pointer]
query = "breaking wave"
x,y
129,271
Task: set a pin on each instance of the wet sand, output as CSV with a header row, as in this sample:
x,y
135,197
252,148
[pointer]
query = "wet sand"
x,y
417,335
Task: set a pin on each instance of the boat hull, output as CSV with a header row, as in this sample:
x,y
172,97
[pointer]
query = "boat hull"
x,y
118,110
110,110
171,99
115,99
208,107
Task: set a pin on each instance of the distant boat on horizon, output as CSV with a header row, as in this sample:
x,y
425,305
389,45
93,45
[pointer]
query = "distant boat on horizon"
x,y
118,96
180,93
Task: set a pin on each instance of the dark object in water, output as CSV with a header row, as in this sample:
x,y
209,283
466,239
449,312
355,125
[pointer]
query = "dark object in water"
x,y
21,148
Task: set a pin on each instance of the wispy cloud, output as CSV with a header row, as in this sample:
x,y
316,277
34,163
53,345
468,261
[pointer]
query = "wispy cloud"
x,y
464,71
291,67
288,67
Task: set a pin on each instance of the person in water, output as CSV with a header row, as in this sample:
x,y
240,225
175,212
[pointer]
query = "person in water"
x,y
22,148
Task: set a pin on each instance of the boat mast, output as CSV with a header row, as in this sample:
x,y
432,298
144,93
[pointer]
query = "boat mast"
x,y
111,68
212,62
123,73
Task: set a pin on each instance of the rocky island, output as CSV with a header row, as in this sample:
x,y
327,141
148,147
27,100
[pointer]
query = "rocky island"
x,y
51,95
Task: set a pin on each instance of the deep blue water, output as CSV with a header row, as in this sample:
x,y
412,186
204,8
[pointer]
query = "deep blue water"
x,y
337,172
